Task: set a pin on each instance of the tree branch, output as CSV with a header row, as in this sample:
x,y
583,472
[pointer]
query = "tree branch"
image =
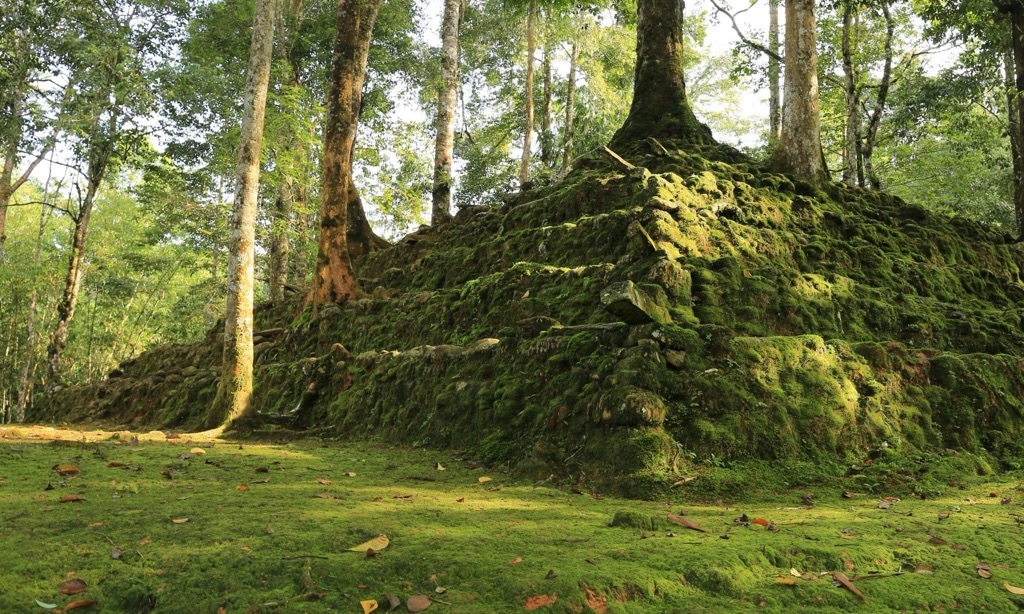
x,y
746,41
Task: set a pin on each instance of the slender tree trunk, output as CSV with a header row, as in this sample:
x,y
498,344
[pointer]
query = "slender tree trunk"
x,y
101,149
773,73
570,105
531,48
333,279
299,260
280,246
8,183
446,101
28,364
234,393
660,108
1013,116
871,135
546,137
799,152
1015,12
850,170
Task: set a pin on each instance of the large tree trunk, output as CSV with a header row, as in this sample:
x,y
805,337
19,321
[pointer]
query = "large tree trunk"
x,y
8,183
361,238
546,137
660,107
799,151
333,279
234,393
280,246
531,48
446,100
871,136
773,73
852,166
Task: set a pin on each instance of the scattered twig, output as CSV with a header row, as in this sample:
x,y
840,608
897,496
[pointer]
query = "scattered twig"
x,y
304,556
617,158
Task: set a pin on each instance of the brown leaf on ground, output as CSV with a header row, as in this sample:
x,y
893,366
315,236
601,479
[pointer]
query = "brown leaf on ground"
x,y
143,542
418,603
787,580
179,520
324,481
845,583
516,561
79,603
116,464
686,522
539,601
72,587
242,487
71,498
938,541
460,500
483,479
369,605
324,495
197,451
67,470
393,600
377,544
1013,589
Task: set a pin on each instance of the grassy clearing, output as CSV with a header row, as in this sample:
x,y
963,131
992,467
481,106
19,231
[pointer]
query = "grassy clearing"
x,y
274,545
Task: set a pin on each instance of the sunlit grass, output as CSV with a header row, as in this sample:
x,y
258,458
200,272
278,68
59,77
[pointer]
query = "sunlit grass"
x,y
259,539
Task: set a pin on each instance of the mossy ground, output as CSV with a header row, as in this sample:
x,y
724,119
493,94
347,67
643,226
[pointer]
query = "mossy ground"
x,y
261,549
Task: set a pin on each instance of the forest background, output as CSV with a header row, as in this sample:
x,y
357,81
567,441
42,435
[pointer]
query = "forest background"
x,y
120,131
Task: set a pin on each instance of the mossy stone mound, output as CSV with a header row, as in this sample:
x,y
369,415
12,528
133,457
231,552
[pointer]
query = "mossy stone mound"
x,y
624,320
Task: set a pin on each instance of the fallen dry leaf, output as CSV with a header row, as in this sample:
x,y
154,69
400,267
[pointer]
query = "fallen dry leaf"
x,y
324,481
686,522
377,544
418,603
1013,589
516,561
685,480
116,464
179,520
143,542
441,467
98,523
483,479
369,605
39,497
324,495
539,601
760,521
79,603
242,487
197,451
460,500
845,583
787,580
350,474
67,470
393,600
72,587
71,498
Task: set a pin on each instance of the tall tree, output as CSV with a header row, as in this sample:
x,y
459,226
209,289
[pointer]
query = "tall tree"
x,y
773,72
799,150
660,107
852,171
333,278
570,104
546,135
531,48
1014,9
446,99
234,393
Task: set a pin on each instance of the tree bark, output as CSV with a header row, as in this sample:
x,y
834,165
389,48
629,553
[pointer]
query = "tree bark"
x,y
570,105
659,106
871,135
333,278
280,246
28,364
799,151
852,149
531,48
546,137
446,101
1015,11
773,73
8,183
299,260
1013,116
101,149
234,392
